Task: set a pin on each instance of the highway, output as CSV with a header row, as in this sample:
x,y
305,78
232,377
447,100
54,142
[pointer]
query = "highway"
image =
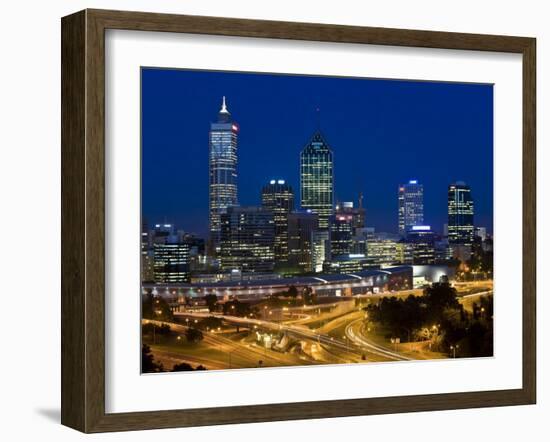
x,y
223,352
356,347
326,337
358,338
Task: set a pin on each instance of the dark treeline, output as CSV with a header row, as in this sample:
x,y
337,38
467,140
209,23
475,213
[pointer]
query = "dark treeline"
x,y
439,317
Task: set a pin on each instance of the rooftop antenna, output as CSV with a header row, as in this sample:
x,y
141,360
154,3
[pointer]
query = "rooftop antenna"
x,y
224,107
360,200
318,118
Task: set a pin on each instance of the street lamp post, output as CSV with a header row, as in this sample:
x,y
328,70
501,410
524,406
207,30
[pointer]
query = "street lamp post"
x,y
454,348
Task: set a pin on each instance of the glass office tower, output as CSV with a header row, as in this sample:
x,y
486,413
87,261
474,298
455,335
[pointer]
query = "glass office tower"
x,y
461,214
278,197
302,226
246,239
317,179
222,171
411,206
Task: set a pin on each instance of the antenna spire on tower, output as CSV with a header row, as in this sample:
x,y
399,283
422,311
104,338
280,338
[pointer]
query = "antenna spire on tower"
x,y
318,117
224,107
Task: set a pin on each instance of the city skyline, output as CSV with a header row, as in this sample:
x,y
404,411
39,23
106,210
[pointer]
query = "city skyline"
x,y
380,213
271,251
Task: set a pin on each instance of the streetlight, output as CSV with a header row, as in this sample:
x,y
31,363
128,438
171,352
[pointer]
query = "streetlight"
x,y
454,348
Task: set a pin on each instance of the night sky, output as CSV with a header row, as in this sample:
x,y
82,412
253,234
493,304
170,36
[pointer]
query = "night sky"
x,y
382,133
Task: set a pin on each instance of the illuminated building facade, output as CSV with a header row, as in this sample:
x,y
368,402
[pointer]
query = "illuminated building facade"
x,y
404,253
344,284
350,263
317,179
321,249
171,261
247,239
357,214
382,252
423,241
147,256
341,234
222,171
278,197
461,215
411,205
301,227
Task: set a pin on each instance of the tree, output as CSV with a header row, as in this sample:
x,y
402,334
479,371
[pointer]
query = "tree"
x,y
211,302
155,307
237,308
148,364
210,322
440,296
193,335
292,292
310,297
160,330
402,317
184,366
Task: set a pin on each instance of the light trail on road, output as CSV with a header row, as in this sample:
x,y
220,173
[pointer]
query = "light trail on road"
x,y
373,348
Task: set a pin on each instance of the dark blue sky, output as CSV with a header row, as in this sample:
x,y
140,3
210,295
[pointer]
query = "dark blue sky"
x,y
382,133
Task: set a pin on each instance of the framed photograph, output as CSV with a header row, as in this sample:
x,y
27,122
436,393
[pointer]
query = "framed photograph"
x,y
266,221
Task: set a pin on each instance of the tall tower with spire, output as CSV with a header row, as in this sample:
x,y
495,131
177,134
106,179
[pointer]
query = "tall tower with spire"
x,y
223,189
317,179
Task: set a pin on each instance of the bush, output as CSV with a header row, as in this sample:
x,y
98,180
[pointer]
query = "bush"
x,y
193,335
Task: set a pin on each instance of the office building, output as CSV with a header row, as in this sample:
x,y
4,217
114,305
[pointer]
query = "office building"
x,y
171,261
278,197
411,205
383,252
320,249
247,239
341,234
222,171
422,239
349,263
481,232
357,214
301,228
461,215
147,256
317,179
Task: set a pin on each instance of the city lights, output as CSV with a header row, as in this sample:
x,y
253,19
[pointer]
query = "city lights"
x,y
285,273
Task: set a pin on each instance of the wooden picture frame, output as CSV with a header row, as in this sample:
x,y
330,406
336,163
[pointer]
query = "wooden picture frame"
x,y
83,217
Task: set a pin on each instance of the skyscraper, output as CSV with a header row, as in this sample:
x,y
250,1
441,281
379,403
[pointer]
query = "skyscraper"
x,y
317,179
341,234
147,257
222,170
278,197
461,215
357,214
302,226
171,260
423,241
246,239
411,205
